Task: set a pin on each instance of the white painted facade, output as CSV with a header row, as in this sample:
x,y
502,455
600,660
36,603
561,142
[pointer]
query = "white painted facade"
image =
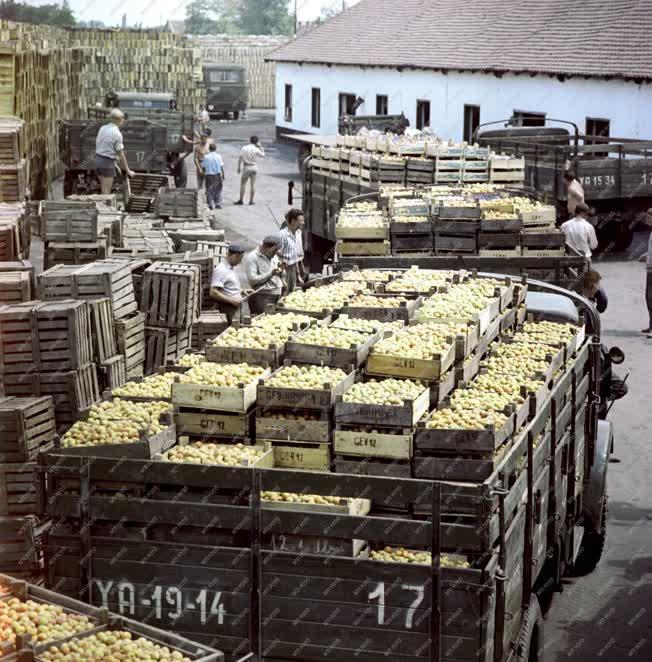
x,y
626,104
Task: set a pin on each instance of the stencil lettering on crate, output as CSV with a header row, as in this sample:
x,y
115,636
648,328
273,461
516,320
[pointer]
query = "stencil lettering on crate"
x,y
171,600
310,546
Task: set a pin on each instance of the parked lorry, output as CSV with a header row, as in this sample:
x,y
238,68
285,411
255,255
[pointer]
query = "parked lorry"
x,y
616,173
153,138
493,522
227,89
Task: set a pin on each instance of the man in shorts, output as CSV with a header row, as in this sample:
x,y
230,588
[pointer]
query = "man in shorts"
x,y
247,164
108,149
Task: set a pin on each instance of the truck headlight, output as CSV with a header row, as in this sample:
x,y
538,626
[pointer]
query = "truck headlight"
x,y
210,107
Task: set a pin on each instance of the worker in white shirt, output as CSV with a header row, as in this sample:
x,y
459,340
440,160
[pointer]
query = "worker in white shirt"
x,y
265,274
579,233
248,165
574,191
225,284
109,148
203,118
289,252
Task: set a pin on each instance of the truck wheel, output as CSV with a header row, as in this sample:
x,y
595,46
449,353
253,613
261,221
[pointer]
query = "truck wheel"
x,y
236,114
593,543
529,647
181,175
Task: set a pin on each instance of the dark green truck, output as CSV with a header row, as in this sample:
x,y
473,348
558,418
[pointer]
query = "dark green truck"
x,y
227,89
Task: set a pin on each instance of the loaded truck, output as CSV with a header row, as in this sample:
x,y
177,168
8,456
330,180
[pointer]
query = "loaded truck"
x,y
153,138
490,519
616,173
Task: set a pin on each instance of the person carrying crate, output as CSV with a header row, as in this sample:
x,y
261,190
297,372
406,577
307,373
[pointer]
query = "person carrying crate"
x,y
109,148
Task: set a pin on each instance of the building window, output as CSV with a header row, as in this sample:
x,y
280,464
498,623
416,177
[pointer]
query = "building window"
x,y
423,113
528,118
382,104
596,127
315,113
347,104
288,103
471,121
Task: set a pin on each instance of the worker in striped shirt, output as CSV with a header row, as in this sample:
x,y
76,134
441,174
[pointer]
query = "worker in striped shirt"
x,y
291,250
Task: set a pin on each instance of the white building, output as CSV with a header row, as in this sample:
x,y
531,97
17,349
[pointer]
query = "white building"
x,y
453,64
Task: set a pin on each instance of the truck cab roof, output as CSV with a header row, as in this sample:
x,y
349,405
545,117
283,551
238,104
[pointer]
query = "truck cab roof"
x,y
226,65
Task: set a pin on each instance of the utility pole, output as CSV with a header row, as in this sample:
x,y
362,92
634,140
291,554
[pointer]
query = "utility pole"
x,y
296,20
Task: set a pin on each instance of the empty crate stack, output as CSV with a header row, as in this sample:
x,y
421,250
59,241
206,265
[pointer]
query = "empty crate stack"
x,y
178,203
13,175
28,426
71,234
170,300
47,350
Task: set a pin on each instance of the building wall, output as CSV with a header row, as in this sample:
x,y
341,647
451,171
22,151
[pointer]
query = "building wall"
x,y
626,104
249,50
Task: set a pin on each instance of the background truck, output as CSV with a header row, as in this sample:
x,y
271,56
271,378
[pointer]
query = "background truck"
x,y
227,89
616,173
196,549
152,133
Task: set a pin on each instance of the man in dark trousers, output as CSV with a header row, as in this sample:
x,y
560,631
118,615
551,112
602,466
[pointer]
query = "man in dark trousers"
x,y
225,284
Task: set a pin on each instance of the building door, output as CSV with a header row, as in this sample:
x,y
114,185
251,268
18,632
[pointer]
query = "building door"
x,y
347,104
471,121
382,104
423,113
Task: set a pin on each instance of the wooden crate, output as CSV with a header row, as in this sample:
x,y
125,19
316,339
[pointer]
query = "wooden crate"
x,y
278,425
130,335
112,372
394,366
20,265
179,202
236,427
399,416
376,442
362,247
136,265
19,488
209,325
206,262
69,221
62,252
21,550
15,287
13,180
164,346
103,330
324,398
371,466
362,233
148,447
44,336
12,136
9,240
405,311
336,357
171,293
91,281
72,392
304,455
449,243
27,425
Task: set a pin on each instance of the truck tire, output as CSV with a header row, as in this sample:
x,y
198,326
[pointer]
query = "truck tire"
x,y
236,114
181,175
529,646
593,543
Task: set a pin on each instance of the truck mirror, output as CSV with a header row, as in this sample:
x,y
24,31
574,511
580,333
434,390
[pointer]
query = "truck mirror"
x,y
616,355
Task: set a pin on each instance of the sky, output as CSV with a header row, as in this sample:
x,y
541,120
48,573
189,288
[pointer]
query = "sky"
x,y
157,12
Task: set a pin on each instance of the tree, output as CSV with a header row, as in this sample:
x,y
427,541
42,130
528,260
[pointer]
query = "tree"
x,y
265,17
211,16
43,15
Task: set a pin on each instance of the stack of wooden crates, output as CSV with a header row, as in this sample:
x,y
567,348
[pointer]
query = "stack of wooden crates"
x,y
28,426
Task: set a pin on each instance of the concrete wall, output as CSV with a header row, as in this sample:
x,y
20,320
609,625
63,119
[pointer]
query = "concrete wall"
x,y
626,104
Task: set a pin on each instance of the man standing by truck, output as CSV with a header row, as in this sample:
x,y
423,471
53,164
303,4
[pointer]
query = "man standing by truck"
x,y
574,191
290,250
248,164
109,147
579,233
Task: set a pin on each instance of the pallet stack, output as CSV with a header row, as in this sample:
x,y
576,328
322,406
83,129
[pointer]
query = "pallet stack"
x,y
13,167
178,203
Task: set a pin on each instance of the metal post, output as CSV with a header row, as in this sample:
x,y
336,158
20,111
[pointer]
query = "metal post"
x,y
435,575
256,572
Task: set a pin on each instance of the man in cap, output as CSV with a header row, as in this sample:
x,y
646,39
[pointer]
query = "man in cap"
x,y
225,284
264,273
109,148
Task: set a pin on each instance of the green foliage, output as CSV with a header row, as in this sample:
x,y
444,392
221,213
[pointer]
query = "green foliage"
x,y
44,14
265,17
